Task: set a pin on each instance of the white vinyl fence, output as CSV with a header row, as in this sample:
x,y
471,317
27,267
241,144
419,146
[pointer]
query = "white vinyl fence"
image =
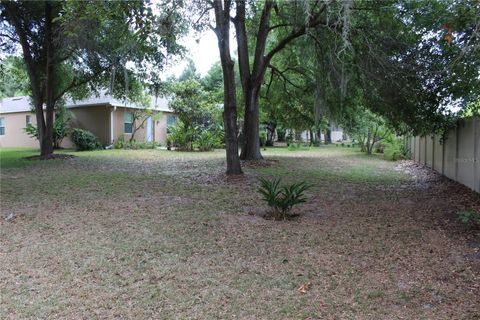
x,y
458,157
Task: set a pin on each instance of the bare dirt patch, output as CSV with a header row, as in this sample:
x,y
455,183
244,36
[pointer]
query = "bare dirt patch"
x,y
55,156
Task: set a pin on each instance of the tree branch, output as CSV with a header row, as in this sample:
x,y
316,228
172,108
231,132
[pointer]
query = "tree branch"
x,y
11,38
313,22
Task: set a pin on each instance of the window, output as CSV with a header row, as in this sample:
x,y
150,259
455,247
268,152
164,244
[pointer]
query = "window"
x,y
28,120
2,126
128,122
171,120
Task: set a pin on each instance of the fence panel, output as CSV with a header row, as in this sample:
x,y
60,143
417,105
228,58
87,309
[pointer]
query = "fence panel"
x,y
457,157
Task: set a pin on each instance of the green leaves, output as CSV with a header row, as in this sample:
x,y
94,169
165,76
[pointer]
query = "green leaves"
x,y
282,199
84,140
469,216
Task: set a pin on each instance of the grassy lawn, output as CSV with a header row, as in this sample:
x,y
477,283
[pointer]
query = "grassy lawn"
x,y
165,235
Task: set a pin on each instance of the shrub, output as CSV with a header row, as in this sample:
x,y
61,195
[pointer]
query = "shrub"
x,y
120,143
469,216
181,136
293,146
263,138
393,149
133,144
85,140
208,140
282,199
60,127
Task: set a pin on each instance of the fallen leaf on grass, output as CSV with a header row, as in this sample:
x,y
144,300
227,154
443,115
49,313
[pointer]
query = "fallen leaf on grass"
x,y
304,287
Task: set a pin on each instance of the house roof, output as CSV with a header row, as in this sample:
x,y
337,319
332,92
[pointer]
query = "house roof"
x,y
23,103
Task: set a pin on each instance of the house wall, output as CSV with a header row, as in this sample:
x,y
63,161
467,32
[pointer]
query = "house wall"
x,y
160,133
15,135
457,157
95,119
159,127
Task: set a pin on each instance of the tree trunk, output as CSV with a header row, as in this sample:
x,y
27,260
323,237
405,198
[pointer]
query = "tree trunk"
x,y
252,75
369,144
251,132
222,30
328,136
46,145
271,133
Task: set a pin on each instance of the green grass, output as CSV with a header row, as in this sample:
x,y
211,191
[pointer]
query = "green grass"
x,y
148,234
13,157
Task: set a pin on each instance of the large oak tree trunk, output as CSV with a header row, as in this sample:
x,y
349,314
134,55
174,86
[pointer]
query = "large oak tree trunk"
x,y
45,128
252,75
251,132
222,30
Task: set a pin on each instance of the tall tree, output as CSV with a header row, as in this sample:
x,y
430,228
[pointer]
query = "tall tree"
x,y
61,58
291,20
222,31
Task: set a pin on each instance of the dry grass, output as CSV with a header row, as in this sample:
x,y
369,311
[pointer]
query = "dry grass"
x,y
157,234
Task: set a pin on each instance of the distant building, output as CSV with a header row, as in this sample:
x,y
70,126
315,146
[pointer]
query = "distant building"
x,y
336,134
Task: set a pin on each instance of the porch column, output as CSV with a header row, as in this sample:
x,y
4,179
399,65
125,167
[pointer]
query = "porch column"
x,y
112,124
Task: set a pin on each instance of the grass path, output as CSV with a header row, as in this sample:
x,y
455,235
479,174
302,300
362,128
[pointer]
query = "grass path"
x,y
165,235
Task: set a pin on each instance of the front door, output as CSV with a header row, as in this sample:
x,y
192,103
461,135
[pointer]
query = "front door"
x,y
149,129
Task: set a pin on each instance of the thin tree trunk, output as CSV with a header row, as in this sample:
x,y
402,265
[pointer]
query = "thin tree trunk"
x,y
328,136
270,134
46,145
222,30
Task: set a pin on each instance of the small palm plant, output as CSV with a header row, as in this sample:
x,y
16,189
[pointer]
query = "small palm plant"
x,y
282,199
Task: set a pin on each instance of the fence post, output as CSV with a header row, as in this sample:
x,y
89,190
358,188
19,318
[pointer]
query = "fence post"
x,y
425,159
456,151
476,161
433,151
443,154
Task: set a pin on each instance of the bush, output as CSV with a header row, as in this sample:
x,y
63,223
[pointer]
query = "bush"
x,y
263,138
181,137
133,144
60,127
120,143
144,144
84,140
208,140
282,199
393,149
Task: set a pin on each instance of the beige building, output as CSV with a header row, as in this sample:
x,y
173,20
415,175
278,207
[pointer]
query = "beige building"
x,y
106,117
